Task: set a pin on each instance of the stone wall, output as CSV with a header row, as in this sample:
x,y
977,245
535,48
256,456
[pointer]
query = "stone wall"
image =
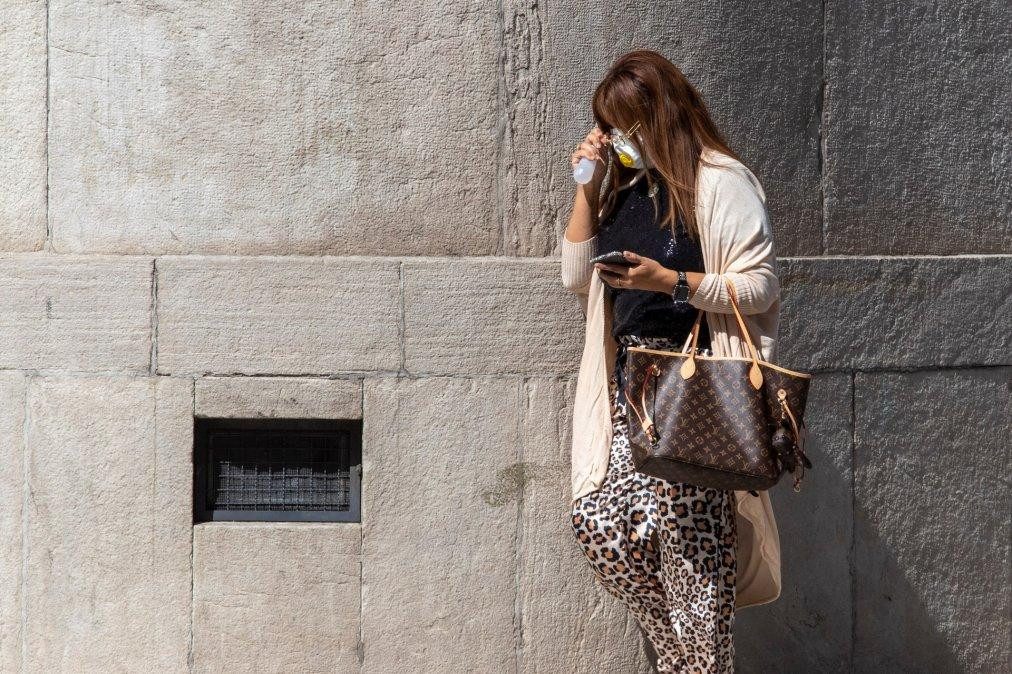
x,y
326,209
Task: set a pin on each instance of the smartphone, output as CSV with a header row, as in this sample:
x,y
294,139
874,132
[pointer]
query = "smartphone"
x,y
614,257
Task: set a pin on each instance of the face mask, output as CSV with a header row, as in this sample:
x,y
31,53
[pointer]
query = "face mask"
x,y
626,149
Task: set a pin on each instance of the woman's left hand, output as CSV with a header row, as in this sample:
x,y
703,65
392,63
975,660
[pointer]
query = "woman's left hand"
x,y
645,274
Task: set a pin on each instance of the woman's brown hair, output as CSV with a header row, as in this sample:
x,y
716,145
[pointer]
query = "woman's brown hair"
x,y
644,87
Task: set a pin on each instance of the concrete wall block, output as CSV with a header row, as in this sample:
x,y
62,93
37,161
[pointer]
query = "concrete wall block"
x,y
758,67
108,540
300,315
272,597
12,405
917,158
489,316
569,623
75,313
23,125
289,127
440,526
278,397
811,621
895,312
506,316
932,521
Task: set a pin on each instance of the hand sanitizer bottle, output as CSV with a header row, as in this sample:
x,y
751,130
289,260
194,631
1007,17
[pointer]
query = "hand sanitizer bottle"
x,y
584,170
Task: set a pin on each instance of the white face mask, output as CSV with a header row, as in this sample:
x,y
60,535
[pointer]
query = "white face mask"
x,y
626,149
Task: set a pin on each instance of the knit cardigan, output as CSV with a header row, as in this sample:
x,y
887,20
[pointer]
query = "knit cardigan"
x,y
737,244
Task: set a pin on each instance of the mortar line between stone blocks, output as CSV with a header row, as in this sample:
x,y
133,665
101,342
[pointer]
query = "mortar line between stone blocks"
x,y
25,497
482,376
48,244
401,322
361,595
511,259
189,645
892,258
853,516
518,611
823,134
153,357
892,369
361,535
502,130
155,398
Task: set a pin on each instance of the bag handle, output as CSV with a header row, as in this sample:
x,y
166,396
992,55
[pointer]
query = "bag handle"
x,y
755,375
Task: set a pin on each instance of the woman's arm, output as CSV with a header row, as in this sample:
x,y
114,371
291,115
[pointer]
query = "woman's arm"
x,y
578,251
579,241
740,225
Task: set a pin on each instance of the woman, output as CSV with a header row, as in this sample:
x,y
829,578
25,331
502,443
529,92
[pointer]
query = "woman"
x,y
681,558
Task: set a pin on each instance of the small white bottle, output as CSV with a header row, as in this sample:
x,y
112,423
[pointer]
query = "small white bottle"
x,y
584,170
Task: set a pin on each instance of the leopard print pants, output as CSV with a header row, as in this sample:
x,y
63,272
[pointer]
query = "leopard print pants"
x,y
665,549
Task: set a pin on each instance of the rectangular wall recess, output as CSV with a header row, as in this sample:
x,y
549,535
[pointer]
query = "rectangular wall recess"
x,y
277,470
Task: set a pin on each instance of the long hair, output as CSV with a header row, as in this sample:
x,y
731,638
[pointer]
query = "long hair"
x,y
674,124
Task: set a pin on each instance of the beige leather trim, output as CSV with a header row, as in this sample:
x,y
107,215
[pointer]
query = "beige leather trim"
x,y
762,363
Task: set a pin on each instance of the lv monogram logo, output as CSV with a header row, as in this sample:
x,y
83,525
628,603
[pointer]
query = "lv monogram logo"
x,y
715,428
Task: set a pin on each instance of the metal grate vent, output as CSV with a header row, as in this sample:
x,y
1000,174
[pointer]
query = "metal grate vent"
x,y
277,469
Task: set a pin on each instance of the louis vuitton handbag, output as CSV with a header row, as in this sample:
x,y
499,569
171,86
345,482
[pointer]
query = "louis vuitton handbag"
x,y
720,422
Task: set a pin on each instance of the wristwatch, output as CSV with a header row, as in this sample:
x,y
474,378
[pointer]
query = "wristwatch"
x,y
680,291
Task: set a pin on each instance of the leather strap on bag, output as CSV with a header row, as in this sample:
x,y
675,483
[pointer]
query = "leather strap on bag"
x,y
645,421
755,374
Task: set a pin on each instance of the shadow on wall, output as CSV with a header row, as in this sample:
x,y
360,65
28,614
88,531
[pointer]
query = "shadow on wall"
x,y
898,576
809,627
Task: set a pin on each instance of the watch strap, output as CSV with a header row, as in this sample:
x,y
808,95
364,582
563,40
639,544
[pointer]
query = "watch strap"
x,y
680,291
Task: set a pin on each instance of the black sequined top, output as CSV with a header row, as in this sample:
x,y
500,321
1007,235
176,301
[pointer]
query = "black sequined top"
x,y
632,225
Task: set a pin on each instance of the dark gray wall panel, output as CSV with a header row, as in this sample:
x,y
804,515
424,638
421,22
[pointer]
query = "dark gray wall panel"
x,y
918,154
932,521
895,312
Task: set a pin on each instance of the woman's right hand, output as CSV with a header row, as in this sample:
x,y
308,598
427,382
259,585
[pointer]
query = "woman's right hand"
x,y
583,220
590,147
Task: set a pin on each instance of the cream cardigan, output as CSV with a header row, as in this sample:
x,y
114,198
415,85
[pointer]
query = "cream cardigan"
x,y
737,243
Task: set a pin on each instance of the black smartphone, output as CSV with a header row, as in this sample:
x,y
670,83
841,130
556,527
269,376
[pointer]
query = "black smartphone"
x,y
614,257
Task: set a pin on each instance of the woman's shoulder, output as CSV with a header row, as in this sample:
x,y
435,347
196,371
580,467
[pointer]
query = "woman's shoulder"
x,y
730,199
719,169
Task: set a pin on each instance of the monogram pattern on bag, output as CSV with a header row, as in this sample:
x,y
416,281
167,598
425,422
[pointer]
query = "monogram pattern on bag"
x,y
714,428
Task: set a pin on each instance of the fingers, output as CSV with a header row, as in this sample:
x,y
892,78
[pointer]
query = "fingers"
x,y
637,276
589,149
609,278
625,270
631,256
614,280
597,138
588,152
611,268
591,146
598,135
